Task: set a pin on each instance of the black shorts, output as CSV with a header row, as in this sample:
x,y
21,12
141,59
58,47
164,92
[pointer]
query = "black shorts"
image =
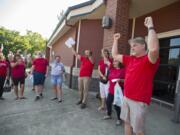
x,y
20,80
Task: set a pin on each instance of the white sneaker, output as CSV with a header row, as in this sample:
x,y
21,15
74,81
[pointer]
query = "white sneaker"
x,y
118,122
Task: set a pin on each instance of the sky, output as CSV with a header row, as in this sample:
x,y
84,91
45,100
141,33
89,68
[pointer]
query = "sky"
x,y
35,15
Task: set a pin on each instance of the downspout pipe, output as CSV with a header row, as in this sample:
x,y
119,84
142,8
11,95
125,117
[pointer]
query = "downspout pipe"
x,y
74,58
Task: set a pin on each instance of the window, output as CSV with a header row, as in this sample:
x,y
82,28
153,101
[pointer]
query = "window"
x,y
166,76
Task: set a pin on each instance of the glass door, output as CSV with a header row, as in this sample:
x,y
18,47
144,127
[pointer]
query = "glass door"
x,y
167,74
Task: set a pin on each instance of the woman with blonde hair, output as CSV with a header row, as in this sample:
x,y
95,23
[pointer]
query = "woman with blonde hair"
x,y
103,75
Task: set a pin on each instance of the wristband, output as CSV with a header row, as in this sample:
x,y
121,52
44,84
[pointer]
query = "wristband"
x,y
150,28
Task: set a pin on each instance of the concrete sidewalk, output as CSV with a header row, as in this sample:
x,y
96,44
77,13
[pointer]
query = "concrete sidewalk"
x,y
45,117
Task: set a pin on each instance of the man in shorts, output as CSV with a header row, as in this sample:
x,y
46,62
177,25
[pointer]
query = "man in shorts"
x,y
40,71
141,67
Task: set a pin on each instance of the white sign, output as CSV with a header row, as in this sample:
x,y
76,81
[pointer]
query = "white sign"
x,y
70,42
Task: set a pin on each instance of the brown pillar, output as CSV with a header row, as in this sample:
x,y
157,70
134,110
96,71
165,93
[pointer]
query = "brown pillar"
x,y
47,52
118,11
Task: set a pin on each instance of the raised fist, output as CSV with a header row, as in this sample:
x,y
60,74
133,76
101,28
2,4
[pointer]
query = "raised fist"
x,y
117,36
148,22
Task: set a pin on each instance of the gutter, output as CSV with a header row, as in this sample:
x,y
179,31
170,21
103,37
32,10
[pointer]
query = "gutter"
x,y
68,11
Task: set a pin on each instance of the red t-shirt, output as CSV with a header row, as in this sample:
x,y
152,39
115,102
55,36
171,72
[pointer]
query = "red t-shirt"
x,y
3,68
18,71
86,67
40,65
139,78
103,66
115,73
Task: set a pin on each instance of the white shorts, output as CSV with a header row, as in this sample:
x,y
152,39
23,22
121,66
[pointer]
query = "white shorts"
x,y
103,89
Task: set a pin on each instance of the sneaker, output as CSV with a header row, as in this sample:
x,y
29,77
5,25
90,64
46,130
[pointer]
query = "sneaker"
x,y
101,108
23,97
79,102
107,117
118,122
1,98
83,105
41,95
37,98
54,98
60,100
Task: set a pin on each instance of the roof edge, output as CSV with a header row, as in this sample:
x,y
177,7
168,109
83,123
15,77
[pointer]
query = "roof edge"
x,y
90,2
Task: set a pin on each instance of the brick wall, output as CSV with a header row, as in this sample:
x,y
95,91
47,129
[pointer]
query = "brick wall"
x,y
91,37
60,49
165,19
118,10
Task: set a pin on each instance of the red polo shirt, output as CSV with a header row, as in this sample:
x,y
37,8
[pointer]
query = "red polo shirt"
x,y
103,66
139,78
40,65
3,68
86,67
18,71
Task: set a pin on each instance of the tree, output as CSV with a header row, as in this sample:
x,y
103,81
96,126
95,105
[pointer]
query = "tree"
x,y
13,41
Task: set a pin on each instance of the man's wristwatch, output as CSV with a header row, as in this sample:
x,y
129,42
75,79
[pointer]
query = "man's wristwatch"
x,y
150,28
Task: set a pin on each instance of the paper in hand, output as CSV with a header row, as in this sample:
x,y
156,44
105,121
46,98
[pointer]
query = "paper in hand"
x,y
70,42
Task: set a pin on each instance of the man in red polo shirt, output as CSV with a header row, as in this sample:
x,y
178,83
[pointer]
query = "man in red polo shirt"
x,y
86,69
40,71
141,67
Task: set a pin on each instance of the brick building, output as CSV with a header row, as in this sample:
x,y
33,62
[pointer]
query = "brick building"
x,y
83,22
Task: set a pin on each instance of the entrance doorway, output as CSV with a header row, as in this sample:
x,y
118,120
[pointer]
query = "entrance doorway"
x,y
167,74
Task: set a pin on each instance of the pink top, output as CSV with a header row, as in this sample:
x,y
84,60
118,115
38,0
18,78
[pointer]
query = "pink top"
x,y
115,73
3,68
18,71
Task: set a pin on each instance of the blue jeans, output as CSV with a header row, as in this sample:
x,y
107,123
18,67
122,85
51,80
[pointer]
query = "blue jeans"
x,y
57,80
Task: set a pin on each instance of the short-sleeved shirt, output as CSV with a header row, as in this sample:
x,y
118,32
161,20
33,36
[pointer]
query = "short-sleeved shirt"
x,y
18,71
103,66
86,67
139,77
115,73
3,68
40,65
57,68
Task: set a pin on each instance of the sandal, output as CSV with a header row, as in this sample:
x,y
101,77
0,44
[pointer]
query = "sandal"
x,y
101,108
16,98
22,98
54,98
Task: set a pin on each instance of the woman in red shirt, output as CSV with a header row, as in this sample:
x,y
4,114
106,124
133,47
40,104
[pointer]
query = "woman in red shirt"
x,y
3,73
18,75
103,73
116,71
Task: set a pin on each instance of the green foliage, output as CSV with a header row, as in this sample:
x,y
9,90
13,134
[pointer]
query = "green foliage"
x,y
29,43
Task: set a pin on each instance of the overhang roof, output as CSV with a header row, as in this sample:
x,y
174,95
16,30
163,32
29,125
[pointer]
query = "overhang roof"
x,y
142,7
93,9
